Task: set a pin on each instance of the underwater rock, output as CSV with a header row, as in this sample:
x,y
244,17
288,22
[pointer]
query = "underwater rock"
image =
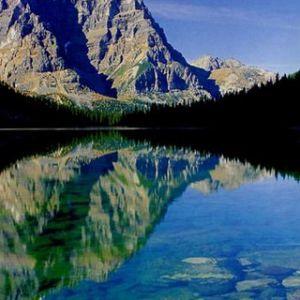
x,y
200,276
293,295
245,262
201,268
200,260
255,284
292,281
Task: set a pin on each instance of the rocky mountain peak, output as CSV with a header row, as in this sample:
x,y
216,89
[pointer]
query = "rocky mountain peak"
x,y
232,63
231,75
85,47
211,63
208,63
91,49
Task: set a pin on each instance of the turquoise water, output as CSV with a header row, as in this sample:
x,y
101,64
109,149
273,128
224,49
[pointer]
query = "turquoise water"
x,y
115,219
237,244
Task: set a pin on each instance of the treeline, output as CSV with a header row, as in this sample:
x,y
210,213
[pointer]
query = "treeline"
x,y
276,150
23,110
275,104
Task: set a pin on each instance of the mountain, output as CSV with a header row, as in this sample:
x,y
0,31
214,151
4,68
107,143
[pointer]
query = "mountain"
x,y
90,50
231,75
269,110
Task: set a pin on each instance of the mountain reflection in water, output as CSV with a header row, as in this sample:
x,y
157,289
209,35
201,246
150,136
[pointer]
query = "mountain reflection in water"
x,y
80,211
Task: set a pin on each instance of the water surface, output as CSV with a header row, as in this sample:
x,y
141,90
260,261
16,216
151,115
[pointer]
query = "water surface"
x,y
106,217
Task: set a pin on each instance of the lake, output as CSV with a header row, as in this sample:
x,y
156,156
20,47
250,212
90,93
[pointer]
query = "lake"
x,y
112,216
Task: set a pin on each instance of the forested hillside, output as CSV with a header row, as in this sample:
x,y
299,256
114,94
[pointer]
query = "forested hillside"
x,y
275,104
24,110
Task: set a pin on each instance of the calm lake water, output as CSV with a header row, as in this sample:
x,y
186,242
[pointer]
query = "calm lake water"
x,y
106,217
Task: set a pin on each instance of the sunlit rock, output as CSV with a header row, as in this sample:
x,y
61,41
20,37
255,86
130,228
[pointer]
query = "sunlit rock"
x,y
200,260
292,281
90,50
231,75
253,284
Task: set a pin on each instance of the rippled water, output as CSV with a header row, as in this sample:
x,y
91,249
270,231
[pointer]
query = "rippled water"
x,y
109,218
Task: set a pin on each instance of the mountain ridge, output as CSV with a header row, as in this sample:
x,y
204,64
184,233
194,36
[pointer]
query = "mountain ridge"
x,y
231,75
92,50
113,48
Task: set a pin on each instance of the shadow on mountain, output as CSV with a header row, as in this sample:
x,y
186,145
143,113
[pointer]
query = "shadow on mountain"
x,y
72,43
209,84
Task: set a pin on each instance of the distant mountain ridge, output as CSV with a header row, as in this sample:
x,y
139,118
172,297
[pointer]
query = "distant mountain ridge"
x,y
90,50
231,75
211,63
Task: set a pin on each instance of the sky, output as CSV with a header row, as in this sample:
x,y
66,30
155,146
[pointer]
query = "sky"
x,y
263,33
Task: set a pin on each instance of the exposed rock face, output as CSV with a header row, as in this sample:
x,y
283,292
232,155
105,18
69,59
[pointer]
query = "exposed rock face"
x,y
231,75
208,63
89,48
44,49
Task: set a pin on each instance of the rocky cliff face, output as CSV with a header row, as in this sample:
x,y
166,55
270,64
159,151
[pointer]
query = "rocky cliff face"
x,y
95,49
89,48
231,75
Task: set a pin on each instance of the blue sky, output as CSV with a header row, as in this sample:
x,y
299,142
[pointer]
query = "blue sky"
x,y
264,33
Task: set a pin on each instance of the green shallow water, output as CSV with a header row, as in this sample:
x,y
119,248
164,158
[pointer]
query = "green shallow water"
x,y
110,218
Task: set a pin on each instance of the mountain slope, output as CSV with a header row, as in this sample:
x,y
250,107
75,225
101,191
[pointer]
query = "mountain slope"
x,y
231,75
85,49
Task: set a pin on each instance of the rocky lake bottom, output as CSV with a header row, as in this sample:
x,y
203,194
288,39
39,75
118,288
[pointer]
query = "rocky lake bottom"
x,y
237,244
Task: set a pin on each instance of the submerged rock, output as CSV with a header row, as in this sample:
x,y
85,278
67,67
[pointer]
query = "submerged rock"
x,y
200,260
292,281
252,284
293,295
204,269
202,276
245,262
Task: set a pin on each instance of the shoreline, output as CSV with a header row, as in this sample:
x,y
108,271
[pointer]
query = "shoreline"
x,y
99,128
